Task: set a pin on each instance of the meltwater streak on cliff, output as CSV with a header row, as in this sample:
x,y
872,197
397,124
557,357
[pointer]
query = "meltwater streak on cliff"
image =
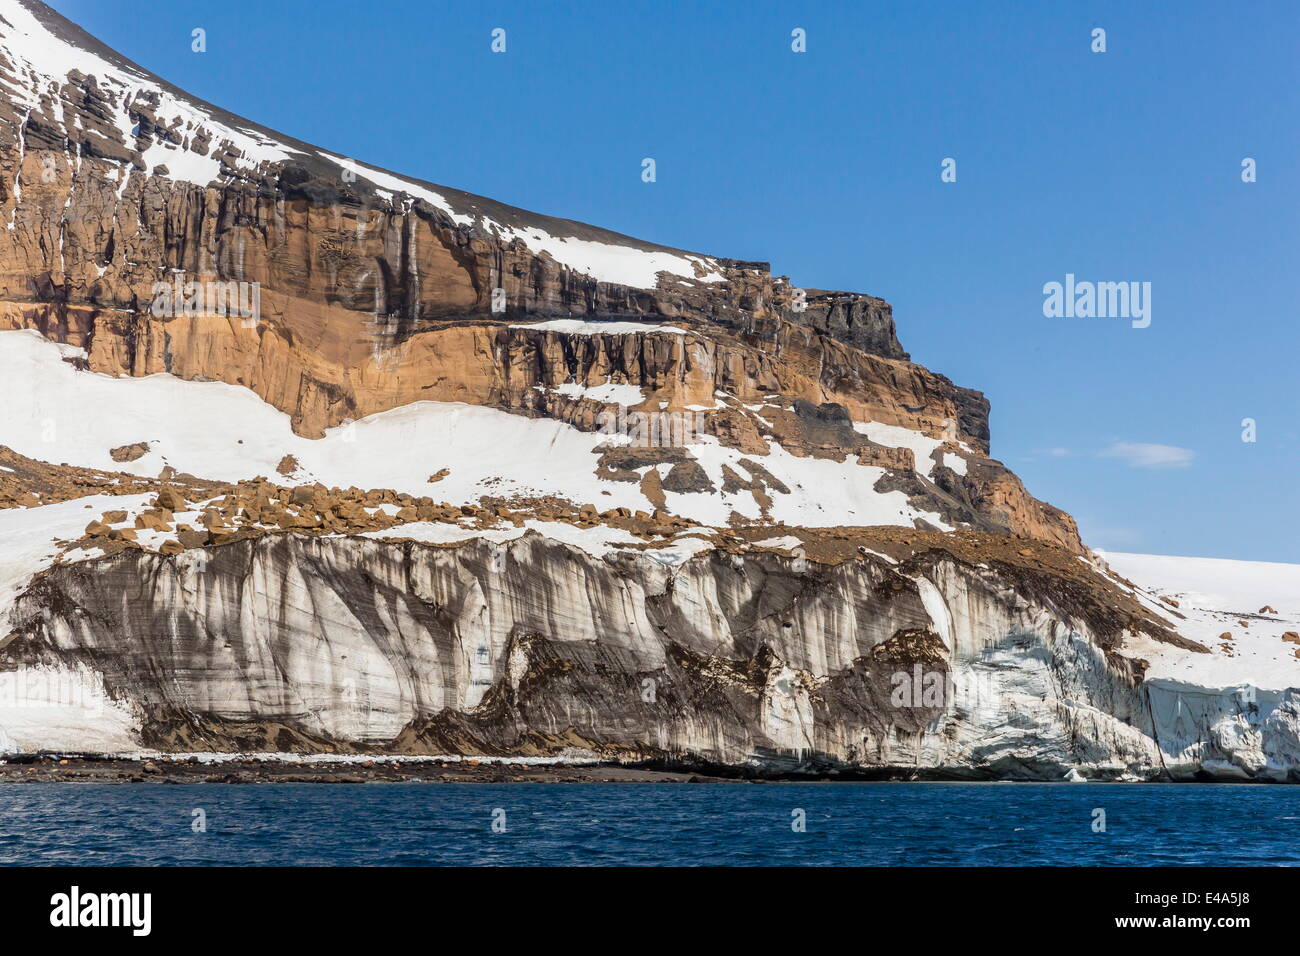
x,y
652,824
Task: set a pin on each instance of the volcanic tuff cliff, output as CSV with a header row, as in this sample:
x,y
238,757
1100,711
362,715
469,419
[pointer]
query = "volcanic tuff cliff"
x,y
480,538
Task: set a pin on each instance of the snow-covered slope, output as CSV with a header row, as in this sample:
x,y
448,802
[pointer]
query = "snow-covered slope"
x,y
30,537
222,432
43,59
1254,603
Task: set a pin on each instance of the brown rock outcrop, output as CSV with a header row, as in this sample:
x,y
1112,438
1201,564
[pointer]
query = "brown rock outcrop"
x,y
132,452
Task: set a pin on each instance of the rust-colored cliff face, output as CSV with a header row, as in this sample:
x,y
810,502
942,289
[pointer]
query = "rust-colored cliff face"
x,y
348,296
373,291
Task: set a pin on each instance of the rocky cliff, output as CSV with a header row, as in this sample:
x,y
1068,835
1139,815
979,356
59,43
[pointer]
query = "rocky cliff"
x,y
921,664
538,486
372,291
112,180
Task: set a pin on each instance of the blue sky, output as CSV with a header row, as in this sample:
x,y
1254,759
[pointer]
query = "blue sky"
x,y
1115,166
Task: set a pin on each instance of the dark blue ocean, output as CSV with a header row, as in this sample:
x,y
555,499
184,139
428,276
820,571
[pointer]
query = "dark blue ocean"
x,y
926,824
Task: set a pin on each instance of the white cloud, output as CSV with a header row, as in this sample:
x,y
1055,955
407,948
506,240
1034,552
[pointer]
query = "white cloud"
x,y
1049,452
1146,455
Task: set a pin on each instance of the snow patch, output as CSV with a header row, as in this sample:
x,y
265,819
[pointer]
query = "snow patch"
x,y
607,262
937,608
580,327
603,261
217,431
895,436
954,462
396,184
41,58
62,709
1218,596
608,393
29,536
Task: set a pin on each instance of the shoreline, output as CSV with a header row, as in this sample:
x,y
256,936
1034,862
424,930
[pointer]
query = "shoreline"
x,y
355,768
182,769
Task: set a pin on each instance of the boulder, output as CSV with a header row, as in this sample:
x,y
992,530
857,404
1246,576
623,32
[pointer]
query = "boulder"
x,y
130,452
